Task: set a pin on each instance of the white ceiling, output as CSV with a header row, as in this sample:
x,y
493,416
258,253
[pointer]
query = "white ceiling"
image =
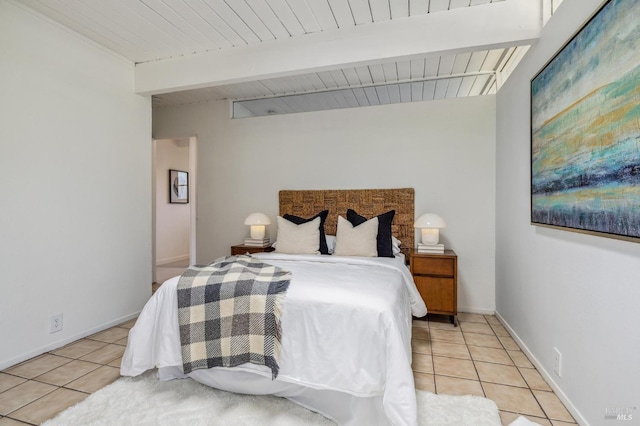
x,y
157,31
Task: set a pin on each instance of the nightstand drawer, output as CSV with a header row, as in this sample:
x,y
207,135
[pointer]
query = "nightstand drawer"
x,y
438,294
433,266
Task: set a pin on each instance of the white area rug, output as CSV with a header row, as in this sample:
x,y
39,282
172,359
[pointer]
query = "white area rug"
x,y
145,400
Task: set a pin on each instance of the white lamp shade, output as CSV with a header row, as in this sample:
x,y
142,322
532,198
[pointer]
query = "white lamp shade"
x,y
430,220
257,219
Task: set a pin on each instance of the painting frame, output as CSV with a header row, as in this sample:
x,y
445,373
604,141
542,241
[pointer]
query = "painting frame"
x,y
178,187
585,129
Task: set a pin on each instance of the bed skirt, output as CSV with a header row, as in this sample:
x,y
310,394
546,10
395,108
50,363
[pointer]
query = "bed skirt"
x,y
343,408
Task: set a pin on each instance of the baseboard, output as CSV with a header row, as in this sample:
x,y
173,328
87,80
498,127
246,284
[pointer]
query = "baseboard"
x,y
545,374
160,262
481,311
60,343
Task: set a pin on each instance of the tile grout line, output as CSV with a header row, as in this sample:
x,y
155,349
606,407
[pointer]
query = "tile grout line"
x,y
473,361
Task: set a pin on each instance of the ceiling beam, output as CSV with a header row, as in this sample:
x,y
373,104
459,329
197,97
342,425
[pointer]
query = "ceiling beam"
x,y
488,26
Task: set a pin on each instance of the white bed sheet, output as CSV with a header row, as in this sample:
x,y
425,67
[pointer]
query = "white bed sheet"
x,y
346,340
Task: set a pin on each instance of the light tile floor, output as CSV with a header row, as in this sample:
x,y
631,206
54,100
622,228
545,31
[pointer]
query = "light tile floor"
x,y
38,389
478,358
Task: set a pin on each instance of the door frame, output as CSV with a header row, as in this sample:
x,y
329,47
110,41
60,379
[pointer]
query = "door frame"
x,y
193,176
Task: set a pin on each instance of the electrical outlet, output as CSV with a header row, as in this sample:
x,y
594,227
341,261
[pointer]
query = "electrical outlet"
x,y
55,323
557,362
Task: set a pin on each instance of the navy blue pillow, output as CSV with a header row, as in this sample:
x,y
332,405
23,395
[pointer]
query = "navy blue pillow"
x,y
385,245
324,249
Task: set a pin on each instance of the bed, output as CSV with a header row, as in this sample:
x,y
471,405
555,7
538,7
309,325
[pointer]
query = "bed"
x,y
346,323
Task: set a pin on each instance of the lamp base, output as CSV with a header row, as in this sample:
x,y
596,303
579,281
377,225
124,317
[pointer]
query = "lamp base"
x,y
430,236
257,232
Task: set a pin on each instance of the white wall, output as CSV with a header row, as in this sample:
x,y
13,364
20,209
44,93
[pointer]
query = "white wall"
x,y
445,150
75,161
575,292
173,221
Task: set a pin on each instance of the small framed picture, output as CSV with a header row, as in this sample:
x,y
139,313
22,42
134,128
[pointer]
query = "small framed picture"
x,y
178,187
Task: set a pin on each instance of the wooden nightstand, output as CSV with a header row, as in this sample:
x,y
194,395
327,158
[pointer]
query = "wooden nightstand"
x,y
242,249
436,277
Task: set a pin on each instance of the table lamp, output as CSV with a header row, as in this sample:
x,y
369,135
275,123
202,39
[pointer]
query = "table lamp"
x,y
430,225
258,223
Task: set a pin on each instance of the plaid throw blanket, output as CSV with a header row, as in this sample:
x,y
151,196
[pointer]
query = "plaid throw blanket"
x,y
229,313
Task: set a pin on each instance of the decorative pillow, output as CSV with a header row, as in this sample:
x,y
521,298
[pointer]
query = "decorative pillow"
x,y
298,239
323,217
356,240
385,245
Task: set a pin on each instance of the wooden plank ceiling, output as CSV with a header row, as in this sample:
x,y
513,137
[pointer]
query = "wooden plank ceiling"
x,y
153,30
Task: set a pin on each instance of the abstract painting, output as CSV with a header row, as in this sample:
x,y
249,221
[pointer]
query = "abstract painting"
x,y
585,128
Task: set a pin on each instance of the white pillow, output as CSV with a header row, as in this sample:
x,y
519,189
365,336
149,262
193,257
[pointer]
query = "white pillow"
x,y
298,239
357,241
396,245
331,242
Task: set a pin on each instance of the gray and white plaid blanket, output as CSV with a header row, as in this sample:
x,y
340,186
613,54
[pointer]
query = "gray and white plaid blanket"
x,y
229,313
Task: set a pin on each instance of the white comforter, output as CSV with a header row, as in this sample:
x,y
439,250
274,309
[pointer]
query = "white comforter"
x,y
346,334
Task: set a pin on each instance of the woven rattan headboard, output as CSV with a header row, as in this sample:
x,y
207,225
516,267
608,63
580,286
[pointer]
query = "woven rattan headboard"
x,y
366,202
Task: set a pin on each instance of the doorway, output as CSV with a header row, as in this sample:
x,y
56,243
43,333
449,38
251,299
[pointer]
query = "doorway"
x,y
173,217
